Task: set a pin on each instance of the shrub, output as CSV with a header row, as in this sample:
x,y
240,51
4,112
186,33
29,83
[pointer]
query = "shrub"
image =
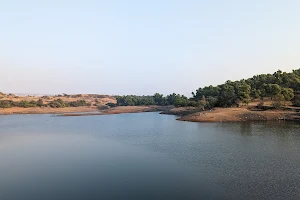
x,y
6,104
40,103
260,105
296,100
103,107
24,104
111,105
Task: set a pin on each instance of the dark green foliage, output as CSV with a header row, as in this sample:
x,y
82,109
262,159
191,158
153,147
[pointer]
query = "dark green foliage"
x,y
111,105
296,100
271,89
194,103
59,103
156,99
278,100
103,107
287,93
26,104
279,86
207,91
159,99
78,103
227,96
181,101
6,104
244,91
211,102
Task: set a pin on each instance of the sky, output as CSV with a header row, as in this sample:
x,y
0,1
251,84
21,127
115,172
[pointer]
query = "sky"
x,y
142,47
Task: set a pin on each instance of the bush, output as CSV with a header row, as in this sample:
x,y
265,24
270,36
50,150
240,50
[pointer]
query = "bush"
x,y
278,101
24,104
111,105
40,103
296,100
79,103
103,107
6,104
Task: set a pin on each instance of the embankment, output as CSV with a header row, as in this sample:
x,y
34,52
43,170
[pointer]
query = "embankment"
x,y
240,115
186,113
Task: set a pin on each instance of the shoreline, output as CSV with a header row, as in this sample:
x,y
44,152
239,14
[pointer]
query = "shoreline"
x,y
190,114
241,115
122,110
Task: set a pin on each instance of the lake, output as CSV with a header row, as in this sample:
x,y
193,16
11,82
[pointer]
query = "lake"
x,y
146,156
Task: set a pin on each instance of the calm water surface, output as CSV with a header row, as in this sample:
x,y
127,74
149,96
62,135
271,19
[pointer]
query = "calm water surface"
x,y
146,156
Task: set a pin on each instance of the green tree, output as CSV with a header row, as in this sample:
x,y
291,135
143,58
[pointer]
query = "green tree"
x,y
211,102
244,92
24,104
296,100
272,90
159,99
227,96
288,94
278,99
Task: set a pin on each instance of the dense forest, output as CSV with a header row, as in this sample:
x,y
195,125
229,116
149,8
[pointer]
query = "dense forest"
x,y
279,87
156,99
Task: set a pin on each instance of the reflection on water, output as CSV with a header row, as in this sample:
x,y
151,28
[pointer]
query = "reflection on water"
x,y
146,156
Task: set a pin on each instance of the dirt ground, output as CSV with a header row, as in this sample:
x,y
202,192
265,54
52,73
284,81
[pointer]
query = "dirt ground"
x,y
94,99
45,110
187,113
89,98
239,114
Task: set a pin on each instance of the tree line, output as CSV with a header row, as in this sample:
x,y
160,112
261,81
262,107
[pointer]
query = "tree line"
x,y
279,87
156,99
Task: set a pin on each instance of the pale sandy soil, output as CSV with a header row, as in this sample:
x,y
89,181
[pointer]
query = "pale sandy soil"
x,y
181,111
94,99
123,109
134,109
239,114
198,115
186,113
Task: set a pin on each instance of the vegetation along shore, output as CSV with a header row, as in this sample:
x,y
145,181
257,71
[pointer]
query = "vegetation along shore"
x,y
263,97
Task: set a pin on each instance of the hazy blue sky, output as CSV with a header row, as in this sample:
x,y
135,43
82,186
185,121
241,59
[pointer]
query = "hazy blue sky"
x,y
142,47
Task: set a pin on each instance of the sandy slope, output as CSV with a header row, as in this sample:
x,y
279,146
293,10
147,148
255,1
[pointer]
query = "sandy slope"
x,y
94,99
239,114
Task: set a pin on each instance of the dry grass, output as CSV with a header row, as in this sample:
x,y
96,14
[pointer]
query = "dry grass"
x,y
236,115
128,109
94,100
38,110
90,98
